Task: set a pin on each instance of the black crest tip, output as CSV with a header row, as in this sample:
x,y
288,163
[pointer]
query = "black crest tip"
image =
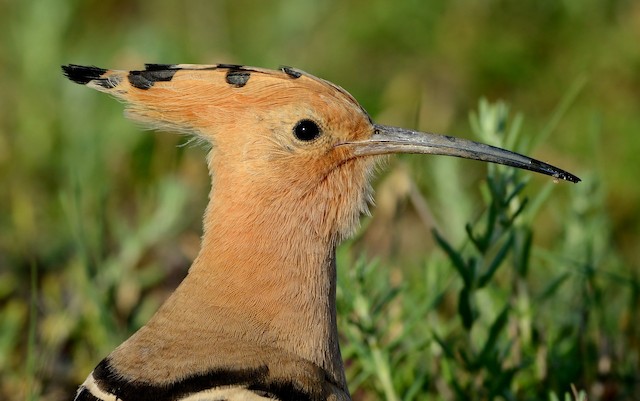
x,y
82,74
160,67
230,66
291,72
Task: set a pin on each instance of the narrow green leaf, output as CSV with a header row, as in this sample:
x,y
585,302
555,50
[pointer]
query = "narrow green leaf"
x,y
519,210
446,348
523,240
516,191
494,332
455,257
496,262
465,309
551,289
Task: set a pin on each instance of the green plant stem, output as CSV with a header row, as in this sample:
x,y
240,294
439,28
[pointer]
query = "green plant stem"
x,y
383,372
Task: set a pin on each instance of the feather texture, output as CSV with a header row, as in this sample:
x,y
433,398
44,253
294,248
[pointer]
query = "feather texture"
x,y
290,160
255,316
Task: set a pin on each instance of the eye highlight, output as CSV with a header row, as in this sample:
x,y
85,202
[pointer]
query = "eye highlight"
x,y
306,130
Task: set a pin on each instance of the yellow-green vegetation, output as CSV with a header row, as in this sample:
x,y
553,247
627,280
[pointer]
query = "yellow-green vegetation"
x,y
469,281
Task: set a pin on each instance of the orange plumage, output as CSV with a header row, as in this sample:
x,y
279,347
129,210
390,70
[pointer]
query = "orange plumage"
x,y
290,160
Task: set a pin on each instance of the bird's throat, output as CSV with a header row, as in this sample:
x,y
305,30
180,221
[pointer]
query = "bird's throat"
x,y
261,291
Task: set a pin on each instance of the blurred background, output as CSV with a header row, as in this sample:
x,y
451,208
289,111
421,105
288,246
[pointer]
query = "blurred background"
x,y
99,219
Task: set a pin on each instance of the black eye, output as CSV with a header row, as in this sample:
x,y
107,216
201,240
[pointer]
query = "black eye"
x,y
306,130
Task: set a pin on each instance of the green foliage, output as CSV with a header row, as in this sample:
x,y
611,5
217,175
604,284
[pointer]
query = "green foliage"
x,y
514,335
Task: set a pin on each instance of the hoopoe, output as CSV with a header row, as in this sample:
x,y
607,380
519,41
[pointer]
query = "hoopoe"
x,y
291,158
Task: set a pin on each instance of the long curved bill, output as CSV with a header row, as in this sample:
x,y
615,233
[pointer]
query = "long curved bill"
x,y
388,139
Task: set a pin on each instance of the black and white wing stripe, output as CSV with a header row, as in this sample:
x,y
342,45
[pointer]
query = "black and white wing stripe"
x,y
106,384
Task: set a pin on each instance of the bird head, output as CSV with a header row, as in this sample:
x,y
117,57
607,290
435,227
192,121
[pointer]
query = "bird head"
x,y
281,138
